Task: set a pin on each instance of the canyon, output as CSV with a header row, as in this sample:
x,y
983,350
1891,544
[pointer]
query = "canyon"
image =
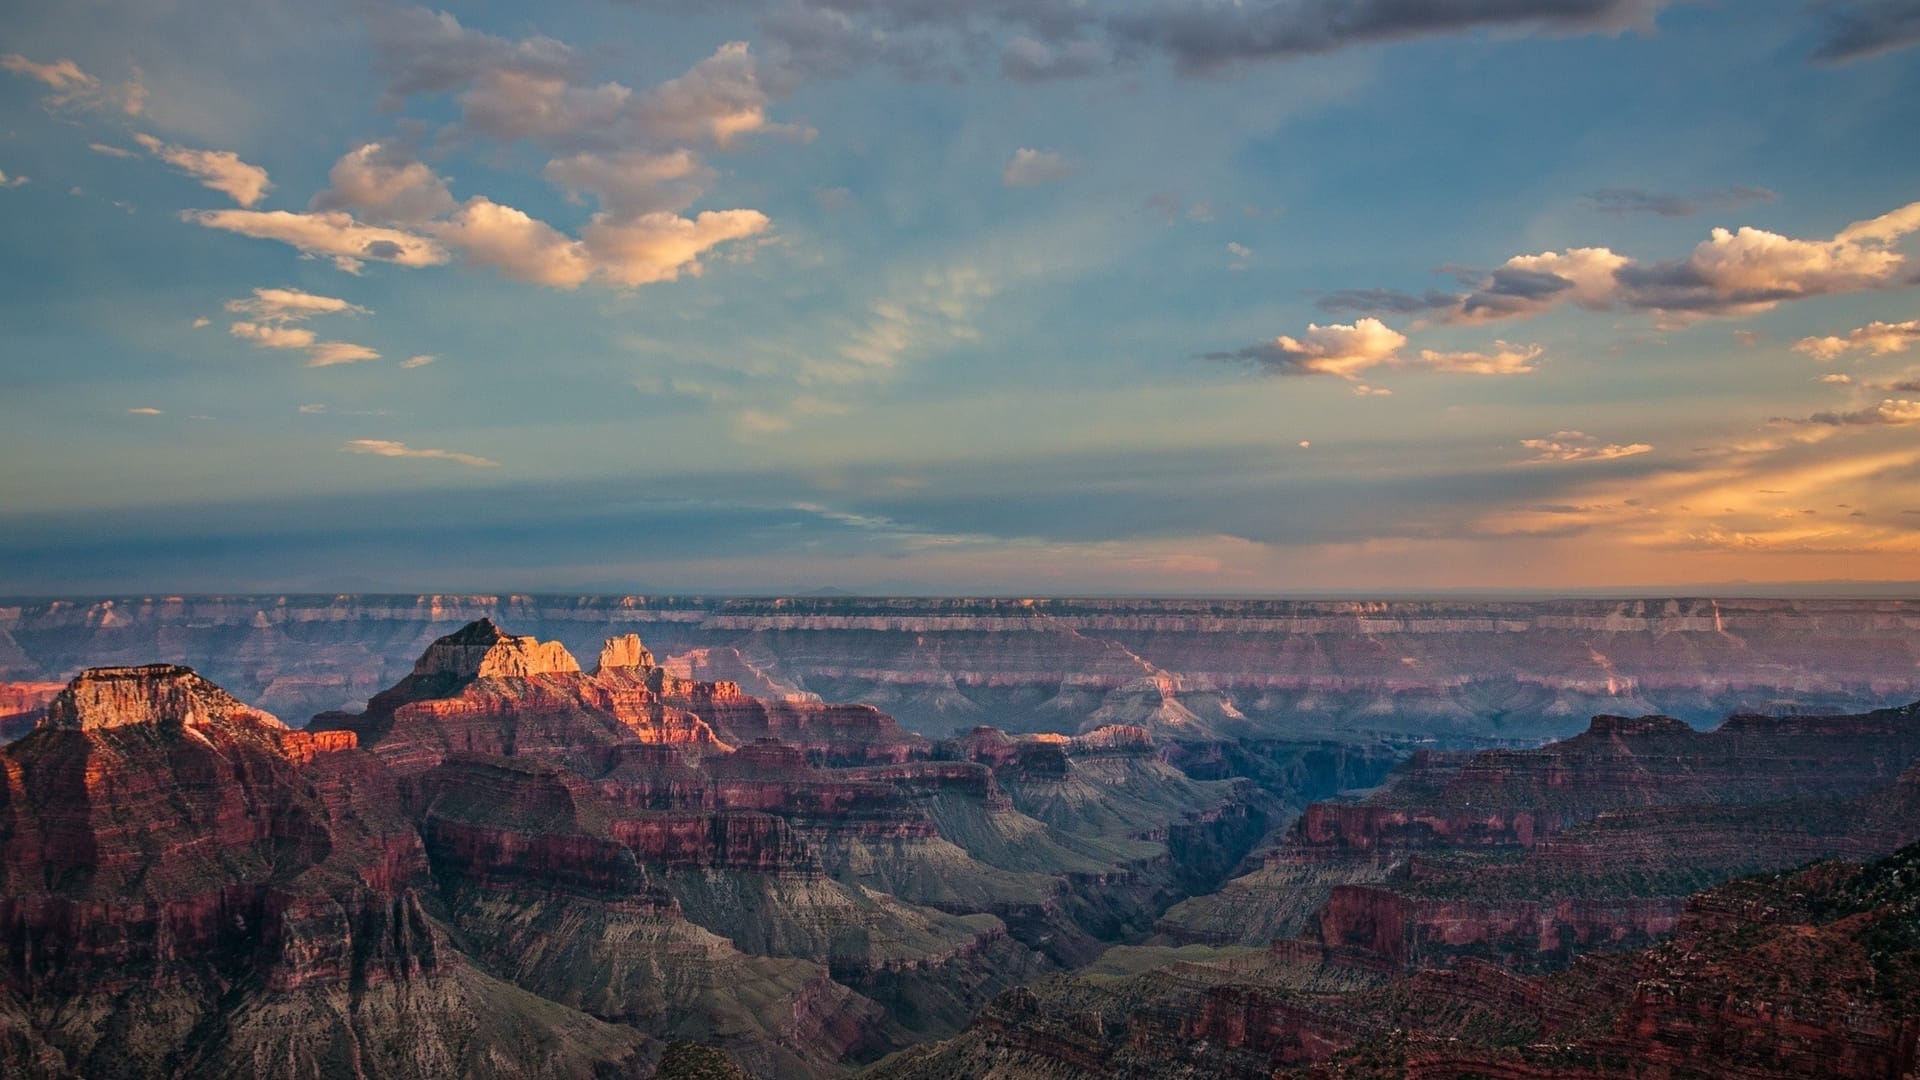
x,y
1452,672
957,838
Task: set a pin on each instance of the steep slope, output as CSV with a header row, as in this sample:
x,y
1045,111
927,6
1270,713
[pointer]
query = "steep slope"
x,y
1591,840
191,887
1814,972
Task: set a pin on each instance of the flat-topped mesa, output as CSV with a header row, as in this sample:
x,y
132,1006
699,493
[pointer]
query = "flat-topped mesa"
x,y
161,695
481,650
624,651
1605,726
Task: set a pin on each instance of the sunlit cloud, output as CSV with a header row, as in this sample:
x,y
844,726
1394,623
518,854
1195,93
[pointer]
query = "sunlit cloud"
x,y
333,234
391,449
219,170
1876,338
272,318
1733,272
418,360
1563,447
69,87
144,410
1344,350
1506,359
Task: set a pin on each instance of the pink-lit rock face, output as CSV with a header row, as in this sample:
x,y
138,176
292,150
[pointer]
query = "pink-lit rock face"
x,y
157,694
483,651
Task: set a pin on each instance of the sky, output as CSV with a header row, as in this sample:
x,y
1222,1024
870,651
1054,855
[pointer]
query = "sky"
x,y
1180,297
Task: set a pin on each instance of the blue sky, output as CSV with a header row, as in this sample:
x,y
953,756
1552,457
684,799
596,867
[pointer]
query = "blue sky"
x,y
976,296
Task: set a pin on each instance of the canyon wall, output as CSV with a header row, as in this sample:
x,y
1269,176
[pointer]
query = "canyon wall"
x,y
1462,672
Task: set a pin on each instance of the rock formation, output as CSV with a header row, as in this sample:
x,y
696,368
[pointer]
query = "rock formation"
x,y
1462,672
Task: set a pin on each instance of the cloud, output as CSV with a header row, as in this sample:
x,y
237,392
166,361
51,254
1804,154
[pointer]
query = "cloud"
x,y
1878,338
1732,272
1842,380
418,360
383,182
1892,412
1505,360
144,410
1529,284
70,87
291,305
1865,28
1630,200
628,252
627,150
11,181
1202,38
1052,39
1025,60
536,89
332,233
392,449
718,100
329,353
273,337
220,170
1241,254
1575,446
632,182
312,409
420,51
110,151
273,314
1030,168
1342,350
1385,301
201,321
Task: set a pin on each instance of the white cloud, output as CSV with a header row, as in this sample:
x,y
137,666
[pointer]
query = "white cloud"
x,y
1336,349
70,87
273,337
384,183
392,449
518,245
1878,338
10,181
110,151
632,182
201,321
291,305
1505,360
329,353
1732,272
332,233
274,313
661,247
144,410
1030,168
1576,446
418,360
1892,412
220,170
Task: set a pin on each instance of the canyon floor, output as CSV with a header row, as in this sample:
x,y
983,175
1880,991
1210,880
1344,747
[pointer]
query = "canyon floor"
x,y
958,838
